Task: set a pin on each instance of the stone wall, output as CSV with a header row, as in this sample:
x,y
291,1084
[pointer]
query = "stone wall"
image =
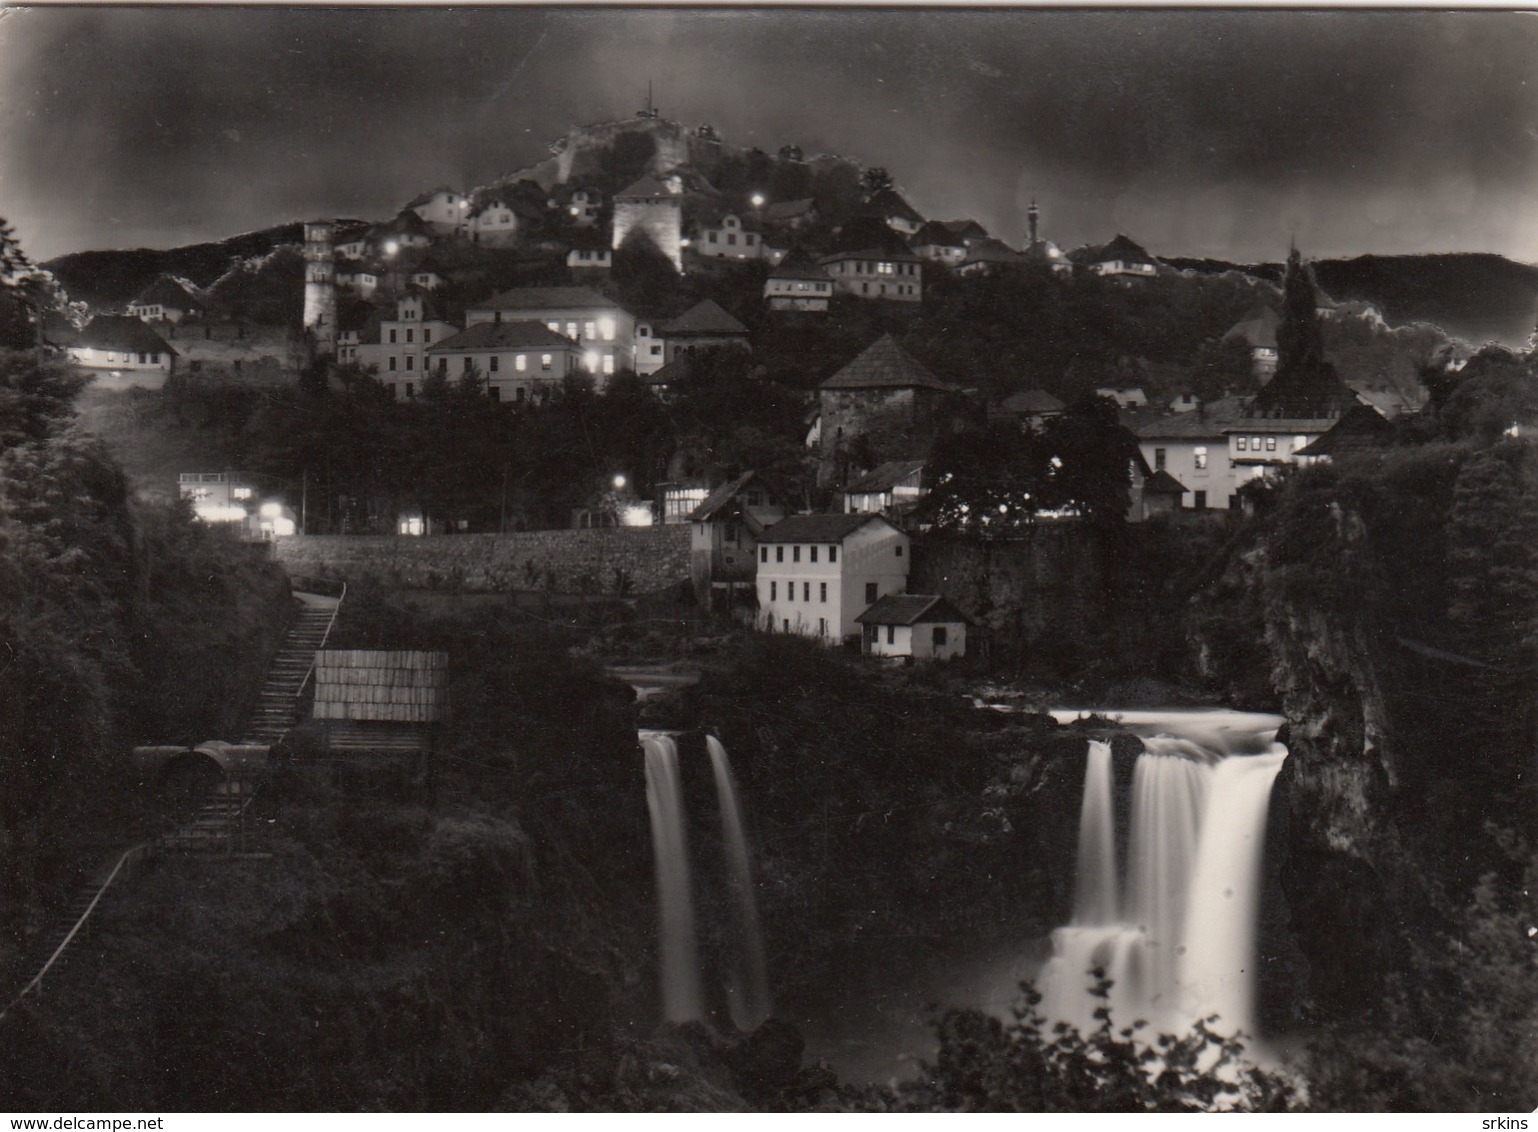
x,y
610,560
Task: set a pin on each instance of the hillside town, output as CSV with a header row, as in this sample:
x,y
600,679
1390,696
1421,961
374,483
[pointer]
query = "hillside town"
x,y
646,253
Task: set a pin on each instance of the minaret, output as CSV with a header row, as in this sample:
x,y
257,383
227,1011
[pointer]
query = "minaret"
x,y
320,286
1032,214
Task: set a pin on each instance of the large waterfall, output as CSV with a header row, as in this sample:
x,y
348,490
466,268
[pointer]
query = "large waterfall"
x,y
1174,931
743,968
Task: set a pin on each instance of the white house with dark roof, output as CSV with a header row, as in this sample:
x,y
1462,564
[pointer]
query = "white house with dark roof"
x,y
120,352
399,353
443,210
894,211
797,283
604,330
1123,259
935,241
818,573
167,299
791,214
704,326
1194,449
517,361
916,626
877,273
731,238
493,221
1257,331
988,256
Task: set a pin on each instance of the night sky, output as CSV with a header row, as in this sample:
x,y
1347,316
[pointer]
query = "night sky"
x,y
1197,132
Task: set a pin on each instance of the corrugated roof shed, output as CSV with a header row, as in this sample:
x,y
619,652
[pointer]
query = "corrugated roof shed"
x,y
380,685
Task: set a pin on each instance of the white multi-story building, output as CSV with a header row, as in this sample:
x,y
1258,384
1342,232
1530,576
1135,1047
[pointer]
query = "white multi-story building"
x,y
399,356
517,361
605,331
818,573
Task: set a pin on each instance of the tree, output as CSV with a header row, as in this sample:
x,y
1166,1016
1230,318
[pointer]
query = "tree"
x,y
1089,457
987,482
1299,337
875,180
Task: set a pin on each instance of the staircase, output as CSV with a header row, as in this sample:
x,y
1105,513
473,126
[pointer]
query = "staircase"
x,y
277,705
213,828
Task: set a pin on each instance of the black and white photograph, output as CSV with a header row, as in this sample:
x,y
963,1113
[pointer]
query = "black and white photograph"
x,y
784,559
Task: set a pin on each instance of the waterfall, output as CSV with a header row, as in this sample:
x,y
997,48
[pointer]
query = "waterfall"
x,y
1177,936
681,998
748,986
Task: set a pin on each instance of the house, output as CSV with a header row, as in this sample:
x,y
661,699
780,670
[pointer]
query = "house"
x,y
493,221
791,214
660,380
517,361
936,242
407,230
584,207
891,489
1032,407
1160,494
968,231
649,348
1286,416
590,256
167,299
121,351
1257,331
877,273
891,209
1184,401
703,326
443,210
357,277
988,256
913,626
653,207
883,405
1359,427
1193,449
1125,396
818,573
218,497
353,317
427,279
605,331
398,355
723,539
1122,260
730,238
797,283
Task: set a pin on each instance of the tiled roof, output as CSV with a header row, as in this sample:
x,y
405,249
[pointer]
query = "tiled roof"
x,y
1207,422
884,477
989,250
122,332
1314,395
910,609
718,499
783,211
499,335
675,371
168,291
1032,401
1121,248
798,265
817,528
885,365
1360,426
966,229
889,202
936,234
546,299
704,317
423,198
1257,329
1162,483
648,186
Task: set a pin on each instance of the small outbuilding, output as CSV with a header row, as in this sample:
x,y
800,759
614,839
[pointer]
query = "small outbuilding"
x,y
918,626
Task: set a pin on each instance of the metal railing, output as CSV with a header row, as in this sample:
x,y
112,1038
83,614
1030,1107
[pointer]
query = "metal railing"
x,y
126,864
324,637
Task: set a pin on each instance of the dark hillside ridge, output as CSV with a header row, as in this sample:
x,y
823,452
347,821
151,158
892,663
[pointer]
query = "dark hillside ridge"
x,y
1477,296
113,278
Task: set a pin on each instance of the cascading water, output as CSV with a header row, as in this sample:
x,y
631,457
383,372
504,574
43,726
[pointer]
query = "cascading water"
x,y
681,998
747,987
1177,939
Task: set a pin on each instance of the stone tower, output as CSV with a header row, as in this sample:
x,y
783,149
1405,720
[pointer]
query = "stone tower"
x,y
320,286
1032,215
653,206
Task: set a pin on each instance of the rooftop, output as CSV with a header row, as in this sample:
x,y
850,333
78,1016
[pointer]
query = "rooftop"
x,y
546,299
121,332
705,317
884,477
885,365
817,528
494,335
910,609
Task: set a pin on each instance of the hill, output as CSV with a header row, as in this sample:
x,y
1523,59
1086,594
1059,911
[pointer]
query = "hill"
x,y
114,277
1476,296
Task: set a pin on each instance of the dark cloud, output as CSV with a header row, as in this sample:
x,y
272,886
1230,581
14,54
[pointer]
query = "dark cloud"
x,y
1197,131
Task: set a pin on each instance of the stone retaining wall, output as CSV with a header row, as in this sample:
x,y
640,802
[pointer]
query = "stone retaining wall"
x,y
617,560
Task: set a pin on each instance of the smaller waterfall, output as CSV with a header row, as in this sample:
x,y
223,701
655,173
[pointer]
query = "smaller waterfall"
x,y
748,987
681,997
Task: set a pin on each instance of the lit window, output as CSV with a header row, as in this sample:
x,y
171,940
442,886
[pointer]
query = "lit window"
x,y
589,331
544,361
521,363
590,359
1200,458
606,329
608,363
571,330
1241,443
1270,444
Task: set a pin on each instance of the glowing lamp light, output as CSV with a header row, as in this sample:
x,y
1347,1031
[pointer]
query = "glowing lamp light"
x,y
619,481
758,200
606,328
271,510
240,493
283,528
391,247
590,359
